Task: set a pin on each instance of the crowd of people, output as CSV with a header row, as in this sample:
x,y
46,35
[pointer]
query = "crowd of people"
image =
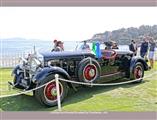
x,y
147,48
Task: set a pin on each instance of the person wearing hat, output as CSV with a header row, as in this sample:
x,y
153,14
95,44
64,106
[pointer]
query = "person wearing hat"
x,y
114,45
55,45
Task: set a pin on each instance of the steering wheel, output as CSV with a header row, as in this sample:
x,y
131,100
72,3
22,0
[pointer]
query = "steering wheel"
x,y
109,54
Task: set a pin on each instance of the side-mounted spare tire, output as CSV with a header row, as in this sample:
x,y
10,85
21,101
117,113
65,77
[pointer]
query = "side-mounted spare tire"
x,y
47,95
89,70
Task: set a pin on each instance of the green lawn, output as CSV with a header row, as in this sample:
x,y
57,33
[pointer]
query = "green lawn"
x,y
128,97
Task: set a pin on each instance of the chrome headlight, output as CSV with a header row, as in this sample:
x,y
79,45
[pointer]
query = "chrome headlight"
x,y
22,62
34,64
40,58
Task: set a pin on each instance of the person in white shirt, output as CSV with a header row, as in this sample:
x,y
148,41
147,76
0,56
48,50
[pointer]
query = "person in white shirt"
x,y
85,46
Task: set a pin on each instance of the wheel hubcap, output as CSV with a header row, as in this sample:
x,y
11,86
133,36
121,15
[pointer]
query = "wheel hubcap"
x,y
138,72
89,72
50,91
54,92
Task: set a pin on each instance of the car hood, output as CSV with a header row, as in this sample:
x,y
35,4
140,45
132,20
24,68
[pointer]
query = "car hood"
x,y
66,54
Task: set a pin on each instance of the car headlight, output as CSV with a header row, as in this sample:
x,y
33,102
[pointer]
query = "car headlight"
x,y
22,62
40,58
34,64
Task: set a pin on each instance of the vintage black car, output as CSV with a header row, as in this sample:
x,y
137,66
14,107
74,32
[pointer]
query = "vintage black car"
x,y
80,65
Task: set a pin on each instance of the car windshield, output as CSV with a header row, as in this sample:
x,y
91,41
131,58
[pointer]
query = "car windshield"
x,y
80,45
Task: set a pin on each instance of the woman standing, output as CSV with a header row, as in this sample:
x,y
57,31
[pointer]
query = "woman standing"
x,y
59,46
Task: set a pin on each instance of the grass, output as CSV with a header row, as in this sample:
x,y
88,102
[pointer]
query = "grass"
x,y
128,97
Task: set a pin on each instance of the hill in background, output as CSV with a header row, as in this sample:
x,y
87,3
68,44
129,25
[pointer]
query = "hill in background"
x,y
123,36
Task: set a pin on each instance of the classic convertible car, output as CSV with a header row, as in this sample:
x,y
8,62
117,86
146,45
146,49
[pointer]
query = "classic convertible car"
x,y
82,66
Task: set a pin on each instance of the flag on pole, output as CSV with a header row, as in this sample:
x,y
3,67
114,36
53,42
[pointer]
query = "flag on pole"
x,y
96,49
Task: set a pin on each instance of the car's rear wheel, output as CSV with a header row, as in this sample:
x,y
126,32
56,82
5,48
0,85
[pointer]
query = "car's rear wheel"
x,y
47,95
138,72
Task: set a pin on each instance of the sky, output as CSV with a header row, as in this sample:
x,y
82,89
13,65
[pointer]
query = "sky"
x,y
70,23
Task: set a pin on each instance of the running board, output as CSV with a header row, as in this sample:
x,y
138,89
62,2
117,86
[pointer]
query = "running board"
x,y
111,77
114,74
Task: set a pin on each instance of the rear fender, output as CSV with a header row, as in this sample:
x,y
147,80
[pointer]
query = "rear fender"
x,y
133,62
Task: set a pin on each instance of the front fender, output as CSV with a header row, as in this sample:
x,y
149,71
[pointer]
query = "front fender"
x,y
14,71
40,75
133,62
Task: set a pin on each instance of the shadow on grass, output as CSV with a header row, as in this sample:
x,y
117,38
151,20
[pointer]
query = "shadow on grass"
x,y
29,103
22,103
85,93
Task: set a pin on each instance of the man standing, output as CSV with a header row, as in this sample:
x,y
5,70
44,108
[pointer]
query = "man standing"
x,y
151,52
114,45
144,48
85,46
133,47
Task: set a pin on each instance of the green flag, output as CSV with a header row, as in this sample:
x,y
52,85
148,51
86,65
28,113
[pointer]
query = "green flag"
x,y
94,48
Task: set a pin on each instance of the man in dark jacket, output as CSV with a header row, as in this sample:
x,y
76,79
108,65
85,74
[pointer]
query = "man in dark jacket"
x,y
133,47
151,52
144,48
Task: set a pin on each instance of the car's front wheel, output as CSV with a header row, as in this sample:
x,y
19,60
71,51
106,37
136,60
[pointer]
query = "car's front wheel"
x,y
47,95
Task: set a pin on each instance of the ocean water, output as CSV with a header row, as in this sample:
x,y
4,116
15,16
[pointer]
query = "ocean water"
x,y
19,46
26,46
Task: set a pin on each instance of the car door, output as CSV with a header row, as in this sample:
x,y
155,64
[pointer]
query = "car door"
x,y
110,69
